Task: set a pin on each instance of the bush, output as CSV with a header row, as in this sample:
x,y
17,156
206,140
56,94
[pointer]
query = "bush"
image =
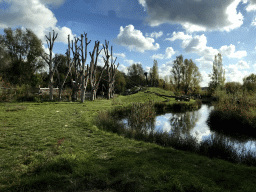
x,y
233,87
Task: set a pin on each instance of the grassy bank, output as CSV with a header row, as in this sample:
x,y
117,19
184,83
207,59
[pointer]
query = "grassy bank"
x,y
56,146
237,111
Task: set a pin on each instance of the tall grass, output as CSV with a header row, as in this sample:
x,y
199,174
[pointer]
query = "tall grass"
x,y
239,107
141,127
142,116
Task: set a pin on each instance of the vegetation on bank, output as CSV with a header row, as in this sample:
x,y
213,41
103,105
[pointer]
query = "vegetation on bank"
x,y
56,146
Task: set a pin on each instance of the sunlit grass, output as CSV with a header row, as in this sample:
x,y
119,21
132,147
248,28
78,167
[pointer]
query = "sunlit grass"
x,y
56,146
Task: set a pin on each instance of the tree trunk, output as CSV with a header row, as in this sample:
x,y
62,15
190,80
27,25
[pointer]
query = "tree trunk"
x,y
51,85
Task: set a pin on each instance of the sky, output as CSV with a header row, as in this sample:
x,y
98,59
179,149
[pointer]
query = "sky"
x,y
143,30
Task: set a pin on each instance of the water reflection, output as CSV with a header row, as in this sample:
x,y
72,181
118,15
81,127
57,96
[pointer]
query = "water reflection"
x,y
193,123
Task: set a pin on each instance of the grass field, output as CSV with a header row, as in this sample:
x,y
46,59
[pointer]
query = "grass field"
x,y
56,146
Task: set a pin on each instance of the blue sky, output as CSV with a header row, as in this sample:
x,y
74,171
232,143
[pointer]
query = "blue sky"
x,y
143,30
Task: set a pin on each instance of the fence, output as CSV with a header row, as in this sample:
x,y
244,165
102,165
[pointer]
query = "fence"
x,y
45,91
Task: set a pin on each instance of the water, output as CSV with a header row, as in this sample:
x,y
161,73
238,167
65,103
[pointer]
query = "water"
x,y
194,123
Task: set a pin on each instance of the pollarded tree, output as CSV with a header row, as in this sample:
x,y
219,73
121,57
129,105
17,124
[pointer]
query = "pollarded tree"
x,y
77,84
93,69
49,60
111,71
84,77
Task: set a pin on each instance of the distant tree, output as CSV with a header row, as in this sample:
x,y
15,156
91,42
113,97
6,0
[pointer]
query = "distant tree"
x,y
136,74
22,55
5,60
154,76
146,75
249,83
176,72
217,76
167,83
60,61
233,87
161,83
191,76
120,82
185,75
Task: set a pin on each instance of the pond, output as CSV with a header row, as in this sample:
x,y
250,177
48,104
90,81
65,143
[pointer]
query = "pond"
x,y
194,123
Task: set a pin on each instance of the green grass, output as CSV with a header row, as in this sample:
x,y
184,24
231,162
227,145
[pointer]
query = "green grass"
x,y
56,146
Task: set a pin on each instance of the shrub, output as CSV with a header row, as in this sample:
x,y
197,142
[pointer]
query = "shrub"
x,y
233,87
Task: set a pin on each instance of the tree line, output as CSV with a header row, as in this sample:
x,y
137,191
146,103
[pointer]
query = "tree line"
x,y
22,59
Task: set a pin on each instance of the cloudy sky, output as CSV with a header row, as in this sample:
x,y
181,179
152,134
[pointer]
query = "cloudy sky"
x,y
143,30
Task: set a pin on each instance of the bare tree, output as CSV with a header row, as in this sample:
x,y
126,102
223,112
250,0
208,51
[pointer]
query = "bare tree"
x,y
77,83
84,77
111,70
49,60
93,70
70,64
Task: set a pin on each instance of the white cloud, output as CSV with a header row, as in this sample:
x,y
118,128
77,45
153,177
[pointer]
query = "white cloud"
x,y
204,63
33,14
134,39
232,73
229,51
243,64
119,55
130,62
206,79
194,15
157,56
179,35
169,52
196,44
53,2
123,68
155,34
165,69
251,6
147,69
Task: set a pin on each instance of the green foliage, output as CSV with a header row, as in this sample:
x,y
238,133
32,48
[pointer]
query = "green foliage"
x,y
78,151
233,87
185,75
249,83
153,74
217,76
22,55
120,82
60,63
135,76
36,80
142,116
22,90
